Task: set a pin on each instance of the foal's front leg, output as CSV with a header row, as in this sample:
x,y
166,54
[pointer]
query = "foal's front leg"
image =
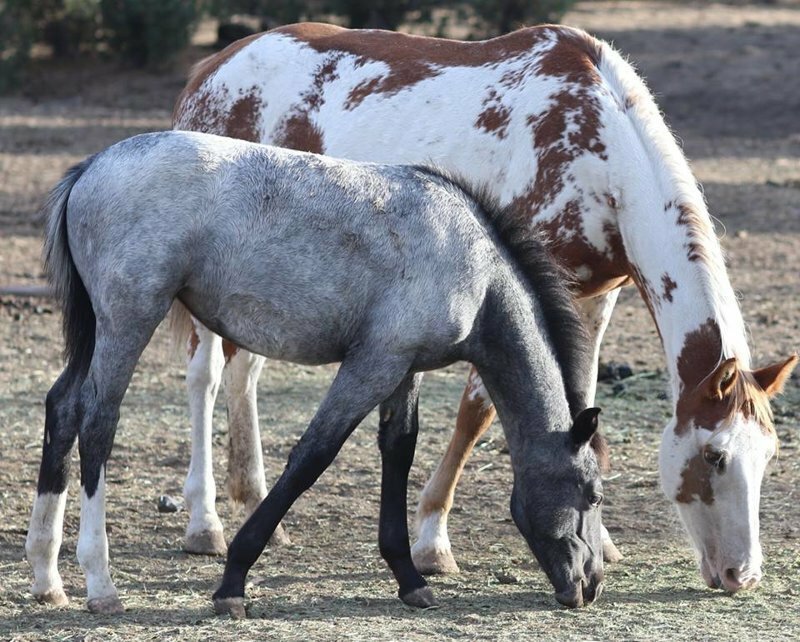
x,y
363,381
397,440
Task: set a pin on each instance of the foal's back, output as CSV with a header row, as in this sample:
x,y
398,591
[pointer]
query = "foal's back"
x,y
236,229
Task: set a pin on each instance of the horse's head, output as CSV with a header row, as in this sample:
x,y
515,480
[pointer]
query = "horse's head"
x,y
713,456
556,506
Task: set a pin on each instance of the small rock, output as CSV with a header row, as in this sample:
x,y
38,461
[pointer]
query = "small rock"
x,y
742,234
505,577
169,504
613,371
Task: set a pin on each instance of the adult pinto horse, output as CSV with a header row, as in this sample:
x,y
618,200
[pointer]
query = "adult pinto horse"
x,y
390,270
567,136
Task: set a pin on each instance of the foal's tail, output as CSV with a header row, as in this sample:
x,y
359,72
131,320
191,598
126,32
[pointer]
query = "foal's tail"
x,y
78,315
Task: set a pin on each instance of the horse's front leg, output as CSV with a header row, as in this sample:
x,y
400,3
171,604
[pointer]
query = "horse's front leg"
x,y
204,533
363,381
596,314
431,552
246,483
397,440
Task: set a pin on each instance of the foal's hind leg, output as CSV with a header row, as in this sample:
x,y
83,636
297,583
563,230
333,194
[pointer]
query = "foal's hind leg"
x,y
119,343
596,314
431,552
47,518
397,440
246,483
363,381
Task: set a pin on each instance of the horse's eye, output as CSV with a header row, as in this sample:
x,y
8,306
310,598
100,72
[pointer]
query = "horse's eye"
x,y
596,499
714,458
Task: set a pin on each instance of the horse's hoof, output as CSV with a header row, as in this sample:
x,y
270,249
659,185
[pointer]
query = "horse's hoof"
x,y
54,597
205,543
434,561
421,598
611,553
279,537
105,605
233,606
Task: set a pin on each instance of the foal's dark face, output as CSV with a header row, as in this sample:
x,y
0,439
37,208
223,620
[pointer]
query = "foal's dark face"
x,y
556,506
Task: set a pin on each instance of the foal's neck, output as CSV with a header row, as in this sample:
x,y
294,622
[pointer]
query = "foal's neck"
x,y
515,358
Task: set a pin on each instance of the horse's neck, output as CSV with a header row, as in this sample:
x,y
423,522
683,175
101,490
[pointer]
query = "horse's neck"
x,y
520,372
677,264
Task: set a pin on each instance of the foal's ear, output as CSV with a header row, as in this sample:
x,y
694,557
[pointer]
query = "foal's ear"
x,y
721,381
584,426
772,378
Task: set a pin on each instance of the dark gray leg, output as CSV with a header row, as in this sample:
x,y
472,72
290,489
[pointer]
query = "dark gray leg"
x,y
397,440
362,382
47,517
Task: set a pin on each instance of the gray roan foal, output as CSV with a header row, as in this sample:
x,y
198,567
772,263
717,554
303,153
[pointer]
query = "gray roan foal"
x,y
390,270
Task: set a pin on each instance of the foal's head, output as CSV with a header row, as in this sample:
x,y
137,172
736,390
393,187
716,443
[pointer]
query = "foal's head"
x,y
713,456
556,506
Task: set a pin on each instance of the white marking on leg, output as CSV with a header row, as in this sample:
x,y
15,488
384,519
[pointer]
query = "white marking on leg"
x,y
93,543
203,375
246,483
42,546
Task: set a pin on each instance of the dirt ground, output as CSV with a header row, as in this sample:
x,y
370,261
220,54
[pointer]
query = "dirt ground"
x,y
726,76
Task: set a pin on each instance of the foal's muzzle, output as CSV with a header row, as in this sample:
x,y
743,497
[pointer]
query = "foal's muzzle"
x,y
582,593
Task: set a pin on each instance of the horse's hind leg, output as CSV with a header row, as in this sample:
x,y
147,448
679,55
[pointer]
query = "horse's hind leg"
x,y
203,374
431,552
45,532
363,381
397,440
246,483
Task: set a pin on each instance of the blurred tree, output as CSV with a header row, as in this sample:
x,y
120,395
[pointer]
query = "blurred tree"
x,y
149,33
16,38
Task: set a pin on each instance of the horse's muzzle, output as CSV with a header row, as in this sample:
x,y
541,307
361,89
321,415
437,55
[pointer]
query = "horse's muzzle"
x,y
583,593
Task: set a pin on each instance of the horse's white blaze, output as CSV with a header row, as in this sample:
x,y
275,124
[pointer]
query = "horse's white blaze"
x,y
93,543
203,376
44,541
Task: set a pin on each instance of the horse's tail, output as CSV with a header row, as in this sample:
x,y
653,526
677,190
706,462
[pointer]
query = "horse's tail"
x,y
78,320
180,325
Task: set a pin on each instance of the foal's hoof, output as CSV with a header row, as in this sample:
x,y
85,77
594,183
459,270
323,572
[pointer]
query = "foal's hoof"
x,y
611,553
421,598
54,597
105,605
205,543
233,606
432,561
279,537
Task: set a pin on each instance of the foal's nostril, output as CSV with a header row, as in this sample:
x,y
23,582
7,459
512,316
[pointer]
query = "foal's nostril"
x,y
731,580
592,591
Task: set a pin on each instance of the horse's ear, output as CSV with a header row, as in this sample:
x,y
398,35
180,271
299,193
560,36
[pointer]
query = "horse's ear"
x,y
584,426
721,381
772,378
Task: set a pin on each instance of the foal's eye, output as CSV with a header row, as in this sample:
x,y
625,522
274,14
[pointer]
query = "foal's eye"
x,y
714,458
596,499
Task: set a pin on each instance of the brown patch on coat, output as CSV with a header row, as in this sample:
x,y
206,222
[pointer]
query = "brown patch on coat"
x,y
568,242
203,70
698,402
494,120
412,59
229,350
298,132
194,343
669,286
696,482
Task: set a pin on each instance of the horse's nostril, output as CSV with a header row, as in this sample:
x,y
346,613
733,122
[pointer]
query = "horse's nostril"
x,y
731,580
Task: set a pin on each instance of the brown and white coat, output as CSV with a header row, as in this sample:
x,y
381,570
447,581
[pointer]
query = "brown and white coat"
x,y
559,126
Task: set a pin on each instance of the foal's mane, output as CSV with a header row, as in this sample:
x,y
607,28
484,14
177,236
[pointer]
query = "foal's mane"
x,y
544,279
